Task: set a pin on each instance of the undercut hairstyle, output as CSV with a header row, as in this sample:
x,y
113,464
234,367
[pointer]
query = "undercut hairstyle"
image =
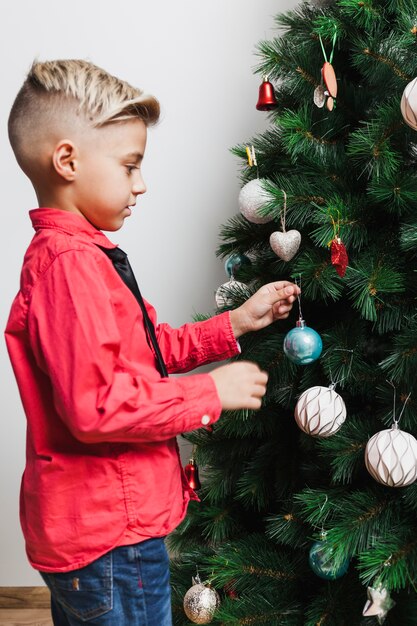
x,y
56,88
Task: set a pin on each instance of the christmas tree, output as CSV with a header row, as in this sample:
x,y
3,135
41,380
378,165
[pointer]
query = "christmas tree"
x,y
294,527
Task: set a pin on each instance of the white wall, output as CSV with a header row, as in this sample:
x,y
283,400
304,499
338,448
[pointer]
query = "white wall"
x,y
197,58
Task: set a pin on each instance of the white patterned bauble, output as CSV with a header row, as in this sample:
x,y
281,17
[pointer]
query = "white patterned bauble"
x,y
200,602
252,197
391,457
409,104
225,293
320,411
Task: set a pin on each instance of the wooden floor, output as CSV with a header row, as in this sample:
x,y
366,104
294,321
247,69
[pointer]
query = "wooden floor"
x,y
25,617
24,606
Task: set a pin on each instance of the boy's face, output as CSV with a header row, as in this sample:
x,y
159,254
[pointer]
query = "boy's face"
x,y
109,173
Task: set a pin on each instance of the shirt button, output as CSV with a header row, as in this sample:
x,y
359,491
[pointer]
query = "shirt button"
x,y
205,420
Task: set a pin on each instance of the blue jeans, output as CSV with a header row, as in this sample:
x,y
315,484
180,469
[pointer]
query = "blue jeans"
x,y
128,586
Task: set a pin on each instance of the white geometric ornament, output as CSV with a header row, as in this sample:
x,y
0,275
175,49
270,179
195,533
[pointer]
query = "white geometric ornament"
x,y
253,197
320,411
391,457
409,104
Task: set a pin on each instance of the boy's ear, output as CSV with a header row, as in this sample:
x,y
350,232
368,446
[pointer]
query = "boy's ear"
x,y
64,159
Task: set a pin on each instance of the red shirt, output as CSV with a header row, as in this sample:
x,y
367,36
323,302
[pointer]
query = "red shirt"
x,y
102,462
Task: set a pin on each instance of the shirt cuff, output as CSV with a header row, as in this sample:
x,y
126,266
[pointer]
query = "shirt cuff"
x,y
201,402
219,332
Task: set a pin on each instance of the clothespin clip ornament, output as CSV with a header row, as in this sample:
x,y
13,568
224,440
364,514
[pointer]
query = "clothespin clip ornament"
x,y
249,155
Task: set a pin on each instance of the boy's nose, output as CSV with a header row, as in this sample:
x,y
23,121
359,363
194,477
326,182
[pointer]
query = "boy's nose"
x,y
138,186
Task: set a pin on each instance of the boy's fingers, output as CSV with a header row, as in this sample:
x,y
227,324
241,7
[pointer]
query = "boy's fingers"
x,y
262,378
259,391
254,403
283,290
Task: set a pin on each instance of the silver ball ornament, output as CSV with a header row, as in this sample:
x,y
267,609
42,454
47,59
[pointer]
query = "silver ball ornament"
x,y
252,197
224,294
322,564
235,263
409,104
320,411
391,457
302,344
200,603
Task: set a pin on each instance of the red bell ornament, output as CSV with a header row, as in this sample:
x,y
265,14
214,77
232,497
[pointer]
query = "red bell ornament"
x,y
266,100
191,473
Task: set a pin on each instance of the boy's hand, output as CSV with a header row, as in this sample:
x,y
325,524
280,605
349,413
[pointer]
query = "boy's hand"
x,y
270,303
240,385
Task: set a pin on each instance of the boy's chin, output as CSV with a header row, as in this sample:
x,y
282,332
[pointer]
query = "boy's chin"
x,y
110,227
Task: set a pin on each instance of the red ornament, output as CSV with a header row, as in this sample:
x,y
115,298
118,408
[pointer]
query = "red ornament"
x,y
230,590
339,256
266,100
191,473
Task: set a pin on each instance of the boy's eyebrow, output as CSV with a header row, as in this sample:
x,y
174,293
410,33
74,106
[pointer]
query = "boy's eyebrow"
x,y
137,156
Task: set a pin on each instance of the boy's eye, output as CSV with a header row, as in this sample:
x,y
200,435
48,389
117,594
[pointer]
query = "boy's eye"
x,y
130,168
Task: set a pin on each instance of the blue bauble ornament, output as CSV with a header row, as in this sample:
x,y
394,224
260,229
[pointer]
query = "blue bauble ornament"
x,y
235,262
302,345
321,562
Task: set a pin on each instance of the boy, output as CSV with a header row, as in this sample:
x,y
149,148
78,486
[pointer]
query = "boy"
x,y
90,365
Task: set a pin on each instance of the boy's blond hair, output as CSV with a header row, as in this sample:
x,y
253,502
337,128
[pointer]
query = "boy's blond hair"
x,y
55,88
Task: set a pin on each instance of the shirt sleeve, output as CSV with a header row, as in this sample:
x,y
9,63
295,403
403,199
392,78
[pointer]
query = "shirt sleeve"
x,y
97,393
197,343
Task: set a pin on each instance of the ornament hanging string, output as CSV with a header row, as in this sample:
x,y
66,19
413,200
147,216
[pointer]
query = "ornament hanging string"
x,y
323,533
283,213
333,383
330,60
298,283
396,421
336,229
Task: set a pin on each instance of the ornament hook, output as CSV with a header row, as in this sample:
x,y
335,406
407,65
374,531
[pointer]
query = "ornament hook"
x,y
333,383
323,533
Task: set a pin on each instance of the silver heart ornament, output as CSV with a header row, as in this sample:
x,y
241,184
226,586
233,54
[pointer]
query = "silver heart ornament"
x,y
285,245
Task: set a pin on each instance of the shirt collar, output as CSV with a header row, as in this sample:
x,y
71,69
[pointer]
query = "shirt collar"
x,y
70,223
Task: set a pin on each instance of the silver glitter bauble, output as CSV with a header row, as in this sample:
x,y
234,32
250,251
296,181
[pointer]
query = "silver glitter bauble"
x,y
285,245
409,104
320,411
200,602
225,293
252,197
391,457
